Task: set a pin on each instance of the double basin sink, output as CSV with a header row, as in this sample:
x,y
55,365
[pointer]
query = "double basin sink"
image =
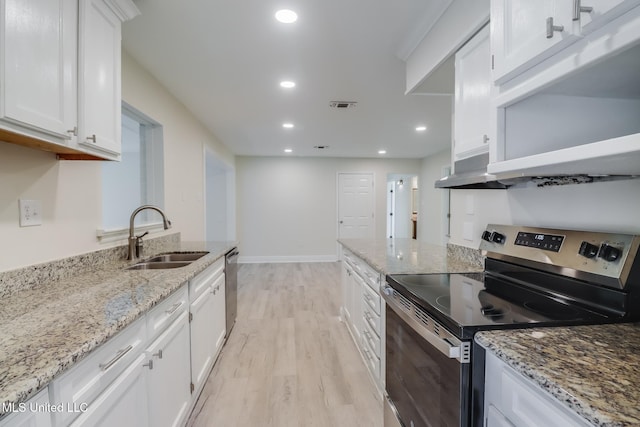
x,y
168,260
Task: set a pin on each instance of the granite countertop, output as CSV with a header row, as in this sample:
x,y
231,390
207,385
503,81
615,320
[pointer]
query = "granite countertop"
x,y
48,327
409,256
593,370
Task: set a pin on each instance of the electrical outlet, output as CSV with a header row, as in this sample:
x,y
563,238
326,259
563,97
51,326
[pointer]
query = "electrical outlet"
x,y
30,212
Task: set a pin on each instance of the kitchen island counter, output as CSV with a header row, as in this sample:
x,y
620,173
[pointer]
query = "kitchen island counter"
x,y
50,325
409,256
593,370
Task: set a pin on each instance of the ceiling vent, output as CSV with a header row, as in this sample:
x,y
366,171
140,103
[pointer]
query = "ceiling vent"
x,y
342,104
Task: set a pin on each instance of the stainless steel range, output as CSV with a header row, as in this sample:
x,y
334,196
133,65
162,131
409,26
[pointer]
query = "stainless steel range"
x,y
533,277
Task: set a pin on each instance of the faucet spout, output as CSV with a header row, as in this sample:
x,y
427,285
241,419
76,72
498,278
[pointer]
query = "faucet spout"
x,y
135,246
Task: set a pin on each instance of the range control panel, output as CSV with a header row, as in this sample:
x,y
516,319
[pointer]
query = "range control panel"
x,y
605,258
547,242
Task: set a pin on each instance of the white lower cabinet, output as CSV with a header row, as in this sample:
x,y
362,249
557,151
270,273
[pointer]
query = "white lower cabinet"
x,y
169,391
84,386
513,400
149,374
28,414
208,321
123,403
363,312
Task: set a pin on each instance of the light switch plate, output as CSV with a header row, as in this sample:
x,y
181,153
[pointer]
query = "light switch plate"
x,y
30,212
467,231
470,204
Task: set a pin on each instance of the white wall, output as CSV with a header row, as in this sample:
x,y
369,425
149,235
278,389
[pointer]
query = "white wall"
x,y
287,206
608,206
70,191
185,139
431,221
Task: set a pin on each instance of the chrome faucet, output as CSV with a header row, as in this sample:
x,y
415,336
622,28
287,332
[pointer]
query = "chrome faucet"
x,y
135,242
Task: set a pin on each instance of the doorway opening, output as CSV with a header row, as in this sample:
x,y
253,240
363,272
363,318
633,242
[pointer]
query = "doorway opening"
x,y
220,222
402,206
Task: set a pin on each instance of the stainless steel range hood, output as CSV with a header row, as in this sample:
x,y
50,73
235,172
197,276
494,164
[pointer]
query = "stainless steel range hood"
x,y
471,173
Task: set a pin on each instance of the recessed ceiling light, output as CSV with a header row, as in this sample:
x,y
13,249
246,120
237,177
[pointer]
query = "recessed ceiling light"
x,y
288,150
287,125
421,128
287,84
382,151
286,16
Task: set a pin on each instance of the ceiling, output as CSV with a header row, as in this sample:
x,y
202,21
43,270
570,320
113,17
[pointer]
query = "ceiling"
x,y
224,60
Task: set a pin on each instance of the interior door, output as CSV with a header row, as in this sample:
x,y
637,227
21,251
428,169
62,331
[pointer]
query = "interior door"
x,y
355,206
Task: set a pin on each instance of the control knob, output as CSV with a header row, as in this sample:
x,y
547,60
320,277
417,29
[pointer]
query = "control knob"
x,y
609,253
496,237
486,235
588,250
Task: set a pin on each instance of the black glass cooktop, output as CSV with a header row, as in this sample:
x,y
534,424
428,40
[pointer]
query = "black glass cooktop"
x,y
466,303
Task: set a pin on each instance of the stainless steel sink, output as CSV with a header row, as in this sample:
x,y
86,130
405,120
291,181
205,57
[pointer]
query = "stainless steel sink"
x,y
157,265
168,260
177,256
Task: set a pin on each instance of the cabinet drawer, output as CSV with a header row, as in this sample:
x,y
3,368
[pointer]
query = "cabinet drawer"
x,y
372,361
349,258
83,383
370,276
525,406
199,284
371,299
371,338
160,317
371,319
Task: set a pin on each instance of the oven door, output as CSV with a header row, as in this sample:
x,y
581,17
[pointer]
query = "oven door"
x,y
427,369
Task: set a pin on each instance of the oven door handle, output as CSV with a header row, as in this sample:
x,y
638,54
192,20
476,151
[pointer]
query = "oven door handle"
x,y
449,346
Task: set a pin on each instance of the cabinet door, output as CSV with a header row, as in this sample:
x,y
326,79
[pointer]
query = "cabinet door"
x,y
496,419
593,14
169,391
123,403
473,84
38,88
24,416
219,326
202,337
99,80
356,306
346,290
519,38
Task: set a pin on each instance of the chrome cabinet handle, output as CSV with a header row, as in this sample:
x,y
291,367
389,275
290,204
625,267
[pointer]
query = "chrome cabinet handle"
x,y
578,9
173,308
72,132
485,139
118,356
92,138
158,354
551,28
149,364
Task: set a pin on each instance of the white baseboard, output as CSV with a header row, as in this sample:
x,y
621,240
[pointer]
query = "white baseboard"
x,y
286,258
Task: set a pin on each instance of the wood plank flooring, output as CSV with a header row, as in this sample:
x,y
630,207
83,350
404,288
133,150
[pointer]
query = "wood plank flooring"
x,y
289,361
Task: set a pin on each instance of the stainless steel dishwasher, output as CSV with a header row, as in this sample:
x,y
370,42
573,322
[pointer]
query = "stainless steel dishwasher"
x,y
231,287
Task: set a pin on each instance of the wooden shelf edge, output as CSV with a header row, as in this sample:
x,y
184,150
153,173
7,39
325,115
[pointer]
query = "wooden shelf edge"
x,y
62,153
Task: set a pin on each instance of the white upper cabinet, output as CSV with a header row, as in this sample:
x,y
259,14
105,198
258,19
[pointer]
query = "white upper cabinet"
x,y
574,110
60,75
472,115
592,14
99,104
525,32
38,66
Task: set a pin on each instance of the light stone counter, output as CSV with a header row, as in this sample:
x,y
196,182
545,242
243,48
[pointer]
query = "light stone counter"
x,y
593,370
54,314
409,256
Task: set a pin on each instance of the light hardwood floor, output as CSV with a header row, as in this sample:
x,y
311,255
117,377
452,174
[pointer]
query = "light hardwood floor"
x,y
289,361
